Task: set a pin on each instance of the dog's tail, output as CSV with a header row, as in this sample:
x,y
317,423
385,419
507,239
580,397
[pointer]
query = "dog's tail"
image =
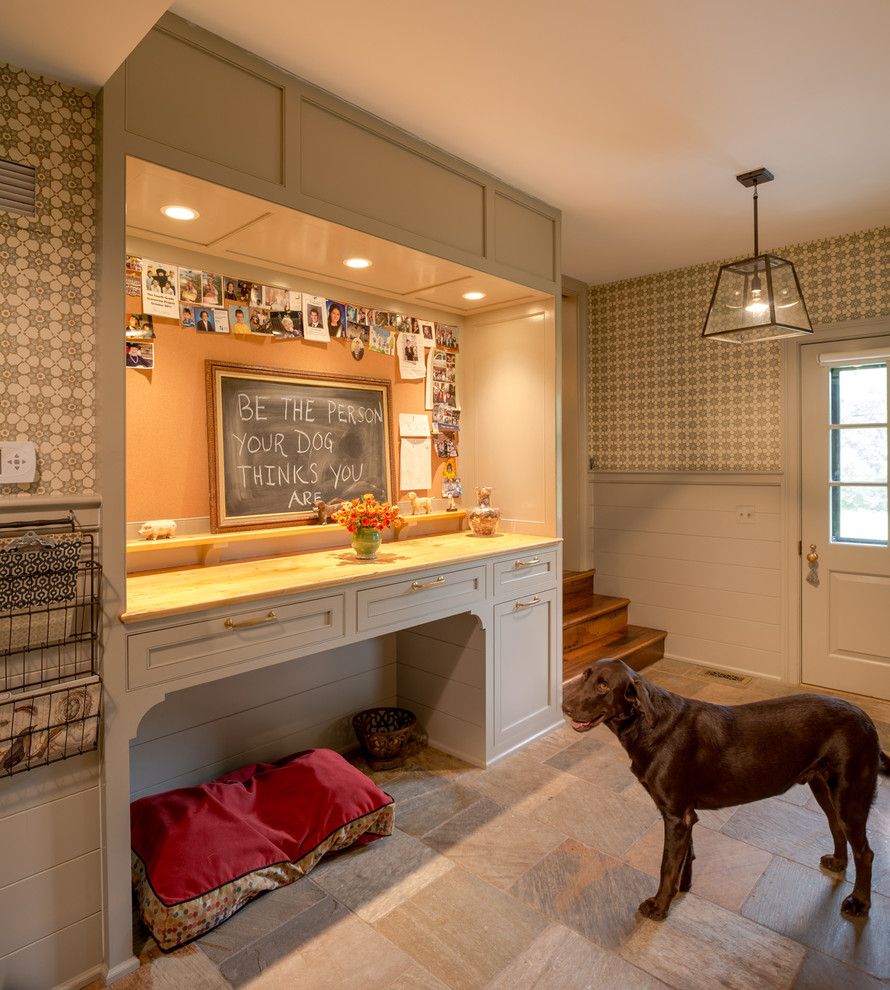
x,y
885,764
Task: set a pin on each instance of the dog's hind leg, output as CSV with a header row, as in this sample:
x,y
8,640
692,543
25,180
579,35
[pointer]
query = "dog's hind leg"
x,y
674,860
853,803
686,872
837,862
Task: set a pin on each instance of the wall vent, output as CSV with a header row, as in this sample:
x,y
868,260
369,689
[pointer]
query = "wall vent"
x,y
18,188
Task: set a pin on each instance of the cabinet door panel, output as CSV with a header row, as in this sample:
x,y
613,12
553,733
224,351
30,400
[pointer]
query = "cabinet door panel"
x,y
526,688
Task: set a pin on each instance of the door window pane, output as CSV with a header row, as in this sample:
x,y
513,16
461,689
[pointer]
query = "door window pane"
x,y
859,514
859,395
859,455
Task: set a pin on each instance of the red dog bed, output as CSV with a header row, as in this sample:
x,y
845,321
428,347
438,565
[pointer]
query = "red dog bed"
x,y
202,853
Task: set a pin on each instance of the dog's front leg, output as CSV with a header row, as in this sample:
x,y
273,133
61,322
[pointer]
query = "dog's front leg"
x,y
677,849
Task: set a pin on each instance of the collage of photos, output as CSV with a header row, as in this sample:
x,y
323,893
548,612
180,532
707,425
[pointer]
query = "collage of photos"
x,y
214,303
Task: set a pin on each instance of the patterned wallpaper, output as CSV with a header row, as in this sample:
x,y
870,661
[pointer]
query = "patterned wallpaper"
x,y
47,292
663,399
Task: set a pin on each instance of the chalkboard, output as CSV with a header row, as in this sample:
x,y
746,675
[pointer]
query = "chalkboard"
x,y
280,441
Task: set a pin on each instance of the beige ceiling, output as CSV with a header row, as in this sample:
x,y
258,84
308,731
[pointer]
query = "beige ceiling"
x,y
632,117
232,225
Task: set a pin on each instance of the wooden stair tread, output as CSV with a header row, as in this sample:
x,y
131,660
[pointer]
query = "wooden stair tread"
x,y
580,607
573,581
640,643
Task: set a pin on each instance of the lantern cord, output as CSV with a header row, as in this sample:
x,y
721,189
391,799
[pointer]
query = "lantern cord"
x,y
756,252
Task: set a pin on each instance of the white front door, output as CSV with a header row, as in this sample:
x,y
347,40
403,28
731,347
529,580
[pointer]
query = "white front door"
x,y
845,559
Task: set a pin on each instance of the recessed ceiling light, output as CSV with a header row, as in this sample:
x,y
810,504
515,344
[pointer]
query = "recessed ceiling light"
x,y
357,263
180,212
474,295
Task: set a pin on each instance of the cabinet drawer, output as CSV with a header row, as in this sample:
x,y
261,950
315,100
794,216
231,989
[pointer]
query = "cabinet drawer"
x,y
232,637
419,597
534,568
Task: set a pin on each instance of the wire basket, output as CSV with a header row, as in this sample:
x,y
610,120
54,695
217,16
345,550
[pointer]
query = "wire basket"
x,y
383,733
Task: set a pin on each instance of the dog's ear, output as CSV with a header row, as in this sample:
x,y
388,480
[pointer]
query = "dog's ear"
x,y
637,694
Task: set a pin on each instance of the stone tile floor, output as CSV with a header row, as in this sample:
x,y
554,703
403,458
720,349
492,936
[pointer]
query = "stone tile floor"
x,y
529,875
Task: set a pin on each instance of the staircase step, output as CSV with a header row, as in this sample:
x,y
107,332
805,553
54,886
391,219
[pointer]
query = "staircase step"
x,y
590,618
638,647
573,581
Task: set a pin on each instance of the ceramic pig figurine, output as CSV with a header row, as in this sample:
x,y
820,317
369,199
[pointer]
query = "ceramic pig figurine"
x,y
158,529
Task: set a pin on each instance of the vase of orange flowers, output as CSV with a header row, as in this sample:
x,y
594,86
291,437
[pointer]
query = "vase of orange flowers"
x,y
365,519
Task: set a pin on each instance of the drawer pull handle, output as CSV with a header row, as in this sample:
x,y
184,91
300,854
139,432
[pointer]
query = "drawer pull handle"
x,y
232,624
417,586
527,563
531,604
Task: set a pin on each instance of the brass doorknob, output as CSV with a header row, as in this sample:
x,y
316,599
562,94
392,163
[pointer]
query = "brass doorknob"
x,y
812,556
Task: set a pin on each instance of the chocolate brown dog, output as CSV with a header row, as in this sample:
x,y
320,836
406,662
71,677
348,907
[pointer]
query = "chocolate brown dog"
x,y
689,754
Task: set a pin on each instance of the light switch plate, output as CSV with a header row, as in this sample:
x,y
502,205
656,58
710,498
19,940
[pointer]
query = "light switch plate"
x,y
18,462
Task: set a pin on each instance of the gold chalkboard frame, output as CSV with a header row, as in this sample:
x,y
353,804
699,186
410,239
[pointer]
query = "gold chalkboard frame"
x,y
220,522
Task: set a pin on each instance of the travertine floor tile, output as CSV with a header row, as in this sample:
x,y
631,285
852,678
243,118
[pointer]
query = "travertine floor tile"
x,y
462,930
564,960
805,904
374,879
416,978
421,814
820,972
700,946
348,953
594,894
544,747
186,967
517,782
602,765
494,843
597,816
725,870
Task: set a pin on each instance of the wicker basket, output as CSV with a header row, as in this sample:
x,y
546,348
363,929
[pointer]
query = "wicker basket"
x,y
383,733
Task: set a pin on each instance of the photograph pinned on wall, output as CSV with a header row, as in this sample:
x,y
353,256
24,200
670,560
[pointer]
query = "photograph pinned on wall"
x,y
244,288
287,324
444,365
260,320
428,332
187,317
139,327
259,295
160,289
446,418
447,336
279,298
315,326
221,321
445,394
140,354
382,340
238,319
451,488
190,283
354,330
446,446
381,318
336,318
399,322
204,323
230,290
133,276
211,289
357,348
410,351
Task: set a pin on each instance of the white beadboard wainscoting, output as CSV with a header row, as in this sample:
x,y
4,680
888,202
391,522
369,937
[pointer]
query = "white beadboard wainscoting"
x,y
700,556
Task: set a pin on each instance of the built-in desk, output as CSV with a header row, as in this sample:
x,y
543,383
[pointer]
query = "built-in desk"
x,y
476,624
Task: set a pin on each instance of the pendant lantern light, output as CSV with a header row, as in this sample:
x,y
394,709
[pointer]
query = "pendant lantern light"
x,y
758,298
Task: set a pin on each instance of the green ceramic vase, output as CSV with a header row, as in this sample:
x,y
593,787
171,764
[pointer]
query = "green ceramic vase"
x,y
365,542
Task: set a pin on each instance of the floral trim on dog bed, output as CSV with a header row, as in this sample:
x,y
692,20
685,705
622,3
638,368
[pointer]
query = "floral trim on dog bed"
x,y
202,853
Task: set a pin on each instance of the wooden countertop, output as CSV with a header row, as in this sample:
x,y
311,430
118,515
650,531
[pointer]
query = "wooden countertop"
x,y
179,591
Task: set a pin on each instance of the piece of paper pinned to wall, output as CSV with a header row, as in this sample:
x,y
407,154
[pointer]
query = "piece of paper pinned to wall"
x,y
414,425
415,460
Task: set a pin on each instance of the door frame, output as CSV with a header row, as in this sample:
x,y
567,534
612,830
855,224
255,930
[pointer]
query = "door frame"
x,y
573,490
791,458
